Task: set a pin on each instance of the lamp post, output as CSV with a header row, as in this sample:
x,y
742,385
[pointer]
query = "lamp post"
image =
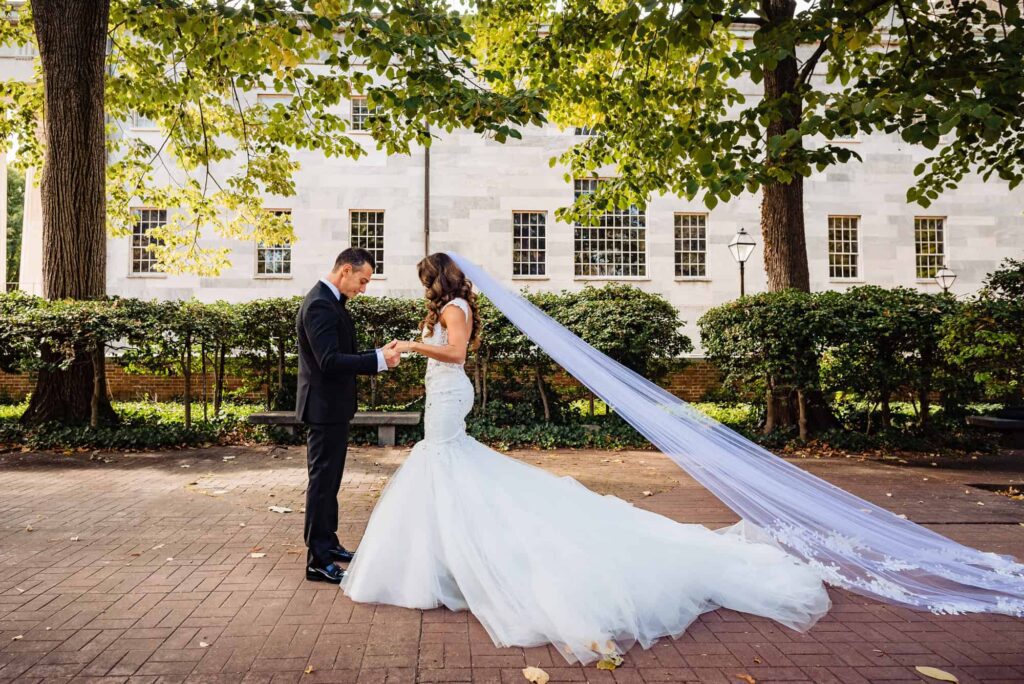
x,y
945,277
741,246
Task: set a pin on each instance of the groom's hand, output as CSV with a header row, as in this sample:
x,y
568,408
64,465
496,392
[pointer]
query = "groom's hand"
x,y
391,355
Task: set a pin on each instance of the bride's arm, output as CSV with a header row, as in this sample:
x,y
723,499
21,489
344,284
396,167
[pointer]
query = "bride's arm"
x,y
458,338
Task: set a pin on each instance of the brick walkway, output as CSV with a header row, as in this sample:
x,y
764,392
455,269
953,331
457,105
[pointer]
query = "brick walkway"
x,y
169,567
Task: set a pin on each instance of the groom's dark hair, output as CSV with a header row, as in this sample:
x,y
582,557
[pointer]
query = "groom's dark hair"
x,y
355,257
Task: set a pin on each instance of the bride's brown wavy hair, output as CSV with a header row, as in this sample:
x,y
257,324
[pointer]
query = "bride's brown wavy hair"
x,y
444,282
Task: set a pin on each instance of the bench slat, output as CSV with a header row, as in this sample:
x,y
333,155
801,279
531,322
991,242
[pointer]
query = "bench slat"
x,y
361,418
384,420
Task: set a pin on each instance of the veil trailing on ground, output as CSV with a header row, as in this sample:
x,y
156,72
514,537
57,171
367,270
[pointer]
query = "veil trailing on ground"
x,y
854,544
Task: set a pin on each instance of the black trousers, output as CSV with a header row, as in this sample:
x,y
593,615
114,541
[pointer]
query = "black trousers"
x,y
326,448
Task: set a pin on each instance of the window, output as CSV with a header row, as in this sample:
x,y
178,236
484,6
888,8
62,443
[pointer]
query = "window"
x,y
585,130
843,247
691,245
361,114
143,122
528,243
367,231
275,260
616,247
271,99
929,245
143,260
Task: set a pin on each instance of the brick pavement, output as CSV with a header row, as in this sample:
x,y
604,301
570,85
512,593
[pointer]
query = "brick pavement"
x,y
141,569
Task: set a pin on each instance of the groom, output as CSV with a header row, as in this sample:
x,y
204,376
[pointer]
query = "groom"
x,y
326,400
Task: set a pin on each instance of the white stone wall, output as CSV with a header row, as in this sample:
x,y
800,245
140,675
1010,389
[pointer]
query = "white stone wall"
x,y
476,184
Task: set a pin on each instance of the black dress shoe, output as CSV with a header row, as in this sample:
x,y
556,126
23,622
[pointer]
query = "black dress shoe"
x,y
330,573
341,555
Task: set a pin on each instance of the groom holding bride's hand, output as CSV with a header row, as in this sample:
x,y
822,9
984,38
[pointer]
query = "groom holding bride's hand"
x,y
326,400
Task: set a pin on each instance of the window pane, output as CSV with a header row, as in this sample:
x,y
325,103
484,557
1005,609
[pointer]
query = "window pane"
x,y
275,259
143,260
615,247
843,247
528,251
929,245
367,230
691,245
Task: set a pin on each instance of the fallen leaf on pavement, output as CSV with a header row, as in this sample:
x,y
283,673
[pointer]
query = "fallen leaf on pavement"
x,y
646,492
536,675
203,644
257,555
746,678
18,638
308,670
609,662
74,539
935,673
279,509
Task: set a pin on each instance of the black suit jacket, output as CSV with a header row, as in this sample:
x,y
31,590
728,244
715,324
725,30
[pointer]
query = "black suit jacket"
x,y
328,359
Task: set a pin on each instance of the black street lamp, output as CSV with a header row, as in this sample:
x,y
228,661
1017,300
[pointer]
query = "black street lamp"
x,y
945,277
742,246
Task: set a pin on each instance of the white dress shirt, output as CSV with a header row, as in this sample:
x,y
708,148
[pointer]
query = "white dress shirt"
x,y
382,365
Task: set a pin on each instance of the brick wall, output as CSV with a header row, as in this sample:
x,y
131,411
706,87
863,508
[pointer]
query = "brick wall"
x,y
125,386
690,383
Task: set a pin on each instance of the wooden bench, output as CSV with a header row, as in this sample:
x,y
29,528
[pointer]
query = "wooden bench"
x,y
386,421
1012,429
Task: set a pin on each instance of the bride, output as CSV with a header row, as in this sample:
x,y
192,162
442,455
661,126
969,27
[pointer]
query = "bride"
x,y
538,558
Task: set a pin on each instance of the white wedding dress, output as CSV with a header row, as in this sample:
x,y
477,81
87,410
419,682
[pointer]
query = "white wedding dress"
x,y
541,559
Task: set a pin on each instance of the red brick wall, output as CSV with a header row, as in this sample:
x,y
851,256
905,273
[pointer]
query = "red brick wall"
x,y
124,386
691,383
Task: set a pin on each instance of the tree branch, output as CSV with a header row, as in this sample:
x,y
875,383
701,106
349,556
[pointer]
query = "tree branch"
x,y
812,61
757,21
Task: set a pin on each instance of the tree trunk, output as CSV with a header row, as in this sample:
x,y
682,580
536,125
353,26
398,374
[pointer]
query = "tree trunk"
x,y
543,395
72,39
98,361
187,366
218,388
803,419
268,385
769,409
202,351
280,377
782,205
886,410
926,406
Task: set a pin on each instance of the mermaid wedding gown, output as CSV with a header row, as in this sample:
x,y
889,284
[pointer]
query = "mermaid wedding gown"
x,y
541,559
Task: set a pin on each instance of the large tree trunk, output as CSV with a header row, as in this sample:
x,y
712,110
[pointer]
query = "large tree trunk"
x,y
72,39
782,205
782,217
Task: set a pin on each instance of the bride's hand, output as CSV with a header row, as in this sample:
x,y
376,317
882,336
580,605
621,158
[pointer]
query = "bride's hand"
x,y
402,346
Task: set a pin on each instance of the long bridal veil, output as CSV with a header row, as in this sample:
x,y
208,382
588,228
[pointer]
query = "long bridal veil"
x,y
853,543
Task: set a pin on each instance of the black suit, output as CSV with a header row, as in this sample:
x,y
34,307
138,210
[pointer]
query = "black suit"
x,y
326,402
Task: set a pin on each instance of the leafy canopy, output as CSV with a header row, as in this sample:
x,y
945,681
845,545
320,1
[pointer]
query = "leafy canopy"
x,y
195,69
668,87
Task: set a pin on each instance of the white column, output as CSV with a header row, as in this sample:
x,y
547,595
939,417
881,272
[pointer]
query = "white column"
x,y
30,275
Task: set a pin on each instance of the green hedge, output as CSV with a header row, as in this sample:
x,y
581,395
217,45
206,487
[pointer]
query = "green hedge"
x,y
874,345
206,343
